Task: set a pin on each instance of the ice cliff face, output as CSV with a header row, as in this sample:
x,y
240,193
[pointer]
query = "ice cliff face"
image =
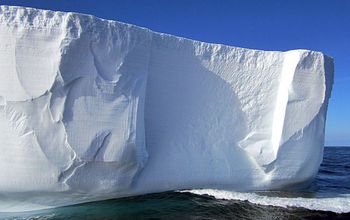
x,y
92,109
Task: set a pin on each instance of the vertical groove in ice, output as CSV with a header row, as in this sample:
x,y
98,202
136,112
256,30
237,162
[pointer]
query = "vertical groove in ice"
x,y
290,63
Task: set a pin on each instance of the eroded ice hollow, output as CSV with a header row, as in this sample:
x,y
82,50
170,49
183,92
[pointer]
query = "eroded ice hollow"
x,y
93,109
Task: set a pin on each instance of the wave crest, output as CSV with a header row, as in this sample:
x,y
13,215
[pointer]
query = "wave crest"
x,y
339,203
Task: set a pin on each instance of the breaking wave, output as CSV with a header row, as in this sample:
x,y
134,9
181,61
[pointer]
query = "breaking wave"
x,y
339,203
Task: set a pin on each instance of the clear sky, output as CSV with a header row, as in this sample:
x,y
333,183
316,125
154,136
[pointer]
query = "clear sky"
x,y
322,25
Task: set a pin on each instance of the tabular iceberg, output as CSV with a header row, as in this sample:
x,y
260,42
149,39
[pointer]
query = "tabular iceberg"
x,y
93,109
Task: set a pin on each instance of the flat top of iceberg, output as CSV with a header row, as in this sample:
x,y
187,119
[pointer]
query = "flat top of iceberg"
x,y
33,17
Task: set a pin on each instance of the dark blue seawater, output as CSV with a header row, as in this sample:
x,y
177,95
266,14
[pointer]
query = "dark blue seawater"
x,y
327,193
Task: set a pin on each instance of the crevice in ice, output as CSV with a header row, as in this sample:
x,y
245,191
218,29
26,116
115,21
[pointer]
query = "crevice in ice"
x,y
97,147
291,60
305,99
102,147
68,173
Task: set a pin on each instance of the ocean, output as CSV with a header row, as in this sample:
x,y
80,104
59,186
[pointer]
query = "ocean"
x,y
328,197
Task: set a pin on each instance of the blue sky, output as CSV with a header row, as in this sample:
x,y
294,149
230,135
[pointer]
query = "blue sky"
x,y
269,25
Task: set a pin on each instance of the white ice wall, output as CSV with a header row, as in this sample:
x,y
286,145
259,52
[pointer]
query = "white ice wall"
x,y
93,109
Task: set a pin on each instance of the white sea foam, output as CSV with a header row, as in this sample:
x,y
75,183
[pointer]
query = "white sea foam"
x,y
339,203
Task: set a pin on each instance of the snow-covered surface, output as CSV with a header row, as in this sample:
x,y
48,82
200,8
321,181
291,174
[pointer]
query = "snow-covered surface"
x,y
93,109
